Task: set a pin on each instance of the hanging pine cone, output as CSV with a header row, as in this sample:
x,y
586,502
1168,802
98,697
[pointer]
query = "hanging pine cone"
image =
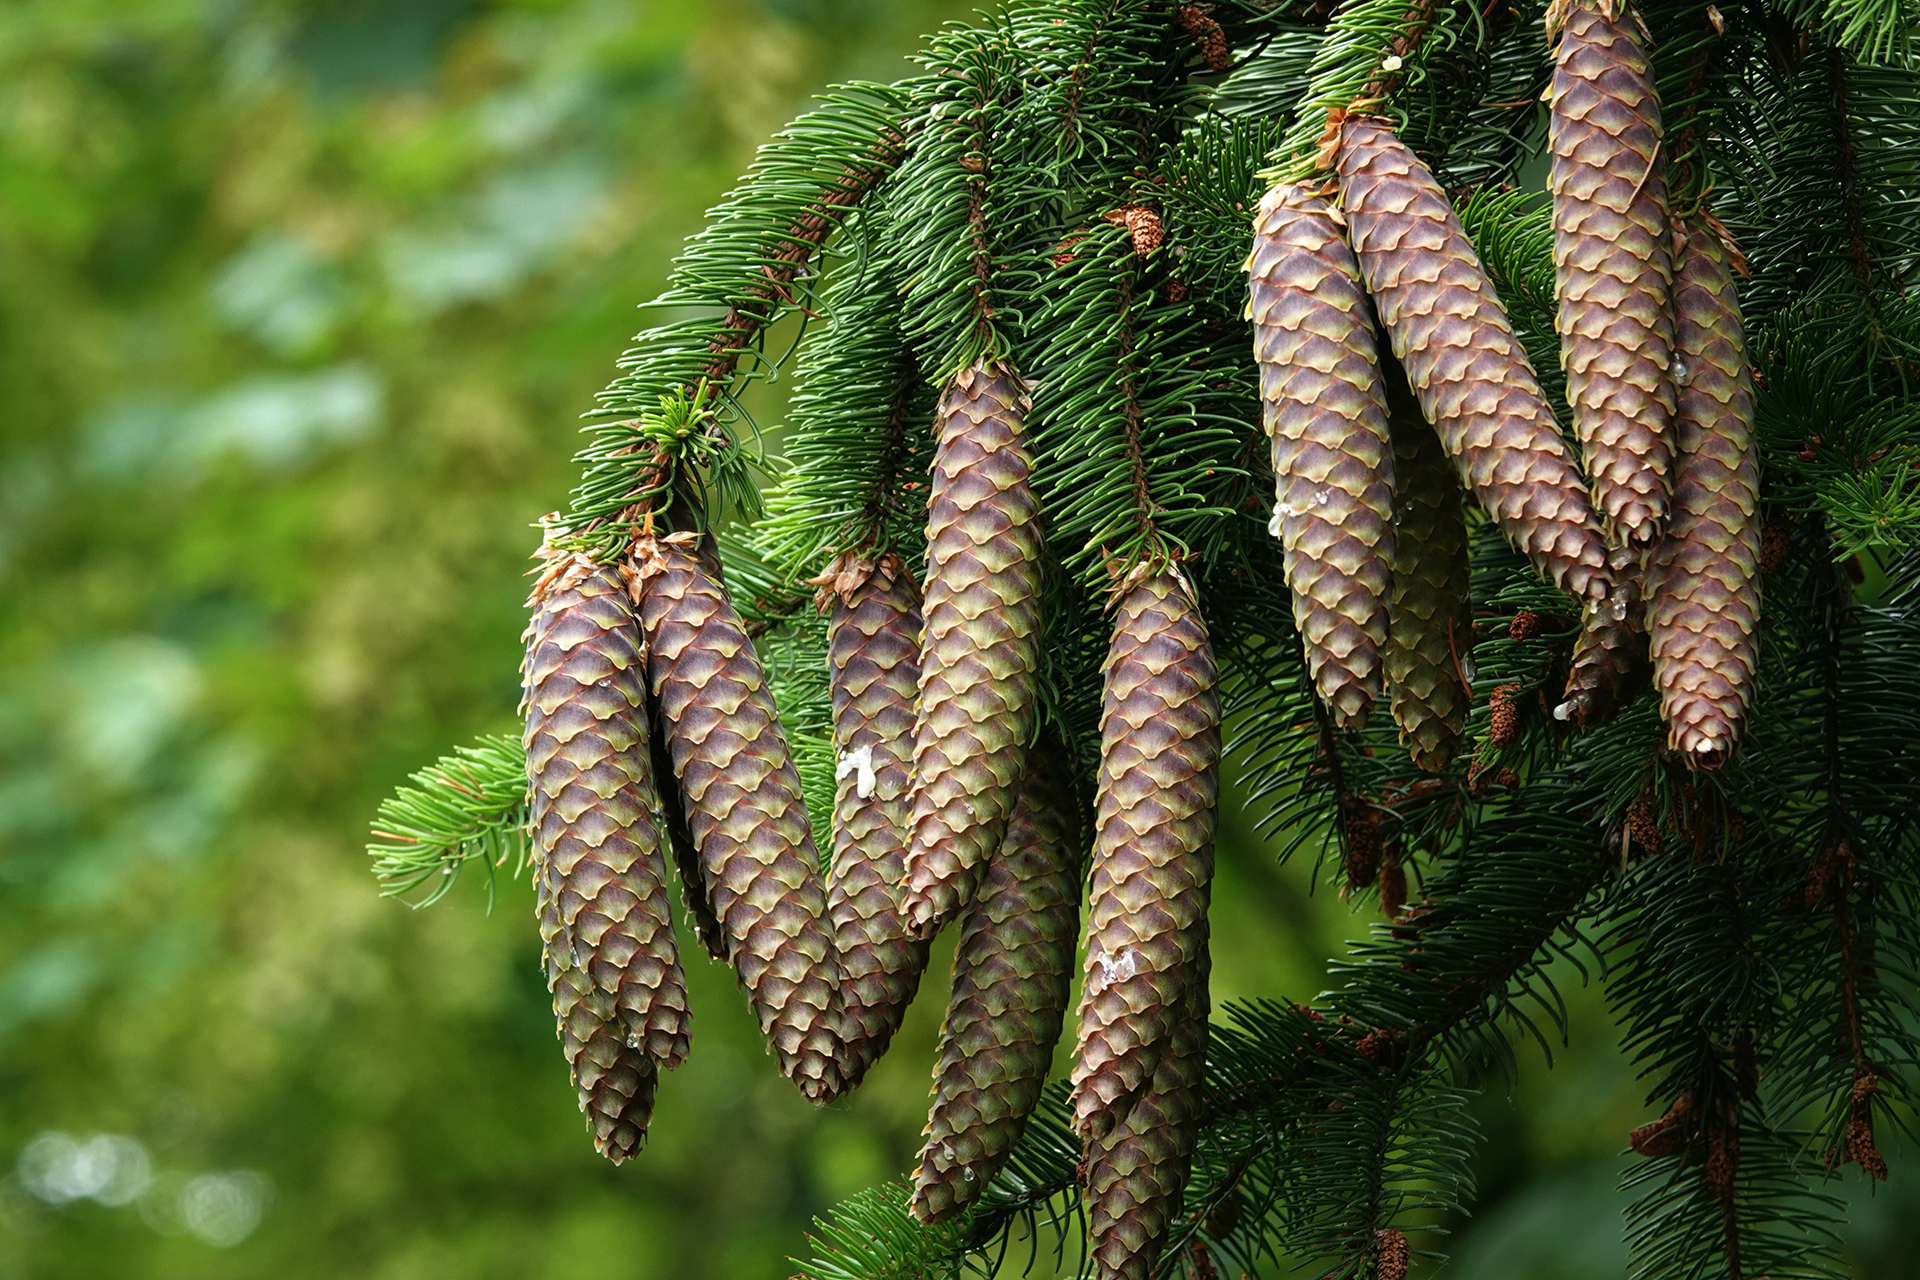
x,y
1135,1174
1453,338
744,808
605,924
1153,844
1611,262
1704,582
1012,975
873,661
1609,663
1326,414
1430,614
981,643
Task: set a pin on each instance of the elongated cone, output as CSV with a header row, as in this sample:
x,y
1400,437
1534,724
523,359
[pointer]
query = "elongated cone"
x,y
605,924
1472,377
744,809
1011,978
1704,604
1611,263
873,661
1609,663
1153,845
1135,1175
1430,618
1326,413
981,643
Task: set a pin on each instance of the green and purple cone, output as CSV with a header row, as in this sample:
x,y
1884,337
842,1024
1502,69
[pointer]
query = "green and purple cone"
x,y
1153,845
1012,975
1704,583
1452,336
873,663
1326,415
1430,617
606,926
1136,1174
1611,262
744,809
981,643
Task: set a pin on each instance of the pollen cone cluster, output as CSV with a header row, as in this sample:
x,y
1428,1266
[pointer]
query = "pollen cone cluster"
x,y
980,644
1611,263
1430,618
1452,335
873,664
1011,976
605,925
1326,415
1153,847
744,810
1704,583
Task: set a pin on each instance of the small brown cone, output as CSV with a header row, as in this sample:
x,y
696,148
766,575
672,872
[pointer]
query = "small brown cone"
x,y
1611,263
873,661
1136,1174
981,641
606,928
744,809
1326,415
1452,336
1704,583
1153,845
1430,613
1011,978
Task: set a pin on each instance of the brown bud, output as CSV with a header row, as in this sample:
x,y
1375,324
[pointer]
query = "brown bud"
x,y
1723,1162
1643,827
1665,1136
1505,715
1395,1254
1526,625
1363,845
1773,545
1393,887
1214,50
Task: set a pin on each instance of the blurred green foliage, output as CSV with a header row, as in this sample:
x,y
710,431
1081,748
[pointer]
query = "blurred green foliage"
x,y
299,303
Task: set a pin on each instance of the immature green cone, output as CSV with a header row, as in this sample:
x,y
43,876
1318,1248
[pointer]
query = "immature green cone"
x,y
1430,619
981,644
873,661
1453,338
1610,261
744,809
1704,583
1153,845
1326,414
605,923
1011,978
1136,1174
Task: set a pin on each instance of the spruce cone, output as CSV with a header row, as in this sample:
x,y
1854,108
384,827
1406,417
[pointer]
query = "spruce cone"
x,y
1326,413
1704,582
605,924
1153,845
1609,664
1430,619
1011,978
981,644
744,809
1135,1175
1453,338
1610,260
873,658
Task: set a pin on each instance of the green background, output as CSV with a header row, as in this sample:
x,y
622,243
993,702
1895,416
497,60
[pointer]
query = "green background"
x,y
299,305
